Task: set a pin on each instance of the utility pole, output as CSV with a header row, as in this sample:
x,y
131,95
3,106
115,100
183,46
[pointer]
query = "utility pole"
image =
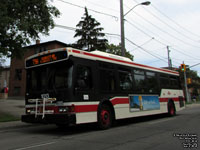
x,y
122,28
183,69
122,15
169,59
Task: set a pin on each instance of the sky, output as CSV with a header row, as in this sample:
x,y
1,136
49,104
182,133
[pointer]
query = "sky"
x,y
173,23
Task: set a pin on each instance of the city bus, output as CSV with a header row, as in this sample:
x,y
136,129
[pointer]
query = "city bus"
x,y
67,86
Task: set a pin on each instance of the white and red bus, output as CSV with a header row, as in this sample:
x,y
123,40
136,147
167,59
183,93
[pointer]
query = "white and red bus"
x,y
67,86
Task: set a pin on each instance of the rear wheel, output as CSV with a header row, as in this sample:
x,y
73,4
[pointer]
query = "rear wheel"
x,y
104,117
171,109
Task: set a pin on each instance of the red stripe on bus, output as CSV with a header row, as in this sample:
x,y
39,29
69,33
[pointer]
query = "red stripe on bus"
x,y
116,101
167,99
75,51
92,108
122,61
85,108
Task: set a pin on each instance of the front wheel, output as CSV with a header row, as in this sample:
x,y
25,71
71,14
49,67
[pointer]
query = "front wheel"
x,y
104,117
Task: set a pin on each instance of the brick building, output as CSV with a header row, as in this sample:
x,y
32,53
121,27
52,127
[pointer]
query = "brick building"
x,y
4,78
17,83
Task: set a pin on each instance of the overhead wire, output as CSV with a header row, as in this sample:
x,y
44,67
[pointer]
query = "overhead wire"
x,y
113,34
183,53
145,43
102,13
145,50
180,26
167,24
179,51
70,28
158,40
102,6
167,33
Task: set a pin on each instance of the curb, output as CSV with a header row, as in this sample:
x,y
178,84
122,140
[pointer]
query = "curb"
x,y
10,124
192,105
6,126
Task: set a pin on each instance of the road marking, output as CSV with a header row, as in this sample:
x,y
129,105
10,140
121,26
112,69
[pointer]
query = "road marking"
x,y
33,146
160,121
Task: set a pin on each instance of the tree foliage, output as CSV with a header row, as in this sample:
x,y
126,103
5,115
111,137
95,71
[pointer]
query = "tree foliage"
x,y
195,85
195,79
21,21
91,37
116,49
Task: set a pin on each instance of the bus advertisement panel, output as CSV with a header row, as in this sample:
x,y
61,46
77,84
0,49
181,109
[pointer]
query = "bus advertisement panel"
x,y
144,102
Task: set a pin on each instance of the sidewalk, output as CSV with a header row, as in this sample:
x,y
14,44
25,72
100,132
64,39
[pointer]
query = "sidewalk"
x,y
14,107
193,105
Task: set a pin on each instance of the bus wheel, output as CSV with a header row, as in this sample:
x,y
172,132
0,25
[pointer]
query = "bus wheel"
x,y
104,117
171,109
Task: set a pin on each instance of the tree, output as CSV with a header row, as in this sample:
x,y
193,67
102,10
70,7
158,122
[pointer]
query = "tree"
x,y
194,86
91,37
116,49
21,21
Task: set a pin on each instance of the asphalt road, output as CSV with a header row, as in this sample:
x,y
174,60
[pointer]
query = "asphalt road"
x,y
146,133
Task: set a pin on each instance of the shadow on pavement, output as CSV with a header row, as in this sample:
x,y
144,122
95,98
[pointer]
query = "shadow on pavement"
x,y
86,128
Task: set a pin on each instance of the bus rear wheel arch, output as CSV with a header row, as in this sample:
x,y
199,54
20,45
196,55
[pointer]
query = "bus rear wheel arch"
x,y
171,108
105,116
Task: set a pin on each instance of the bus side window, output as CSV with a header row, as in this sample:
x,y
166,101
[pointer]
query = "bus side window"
x,y
107,80
164,81
125,81
174,82
139,78
151,82
84,78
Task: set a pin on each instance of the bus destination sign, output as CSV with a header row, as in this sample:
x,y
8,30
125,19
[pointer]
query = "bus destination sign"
x,y
44,59
47,58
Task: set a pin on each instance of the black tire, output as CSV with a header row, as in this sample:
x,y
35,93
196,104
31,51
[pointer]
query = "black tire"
x,y
171,109
105,117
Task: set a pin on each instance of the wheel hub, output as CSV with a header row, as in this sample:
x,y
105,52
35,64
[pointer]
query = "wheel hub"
x,y
105,117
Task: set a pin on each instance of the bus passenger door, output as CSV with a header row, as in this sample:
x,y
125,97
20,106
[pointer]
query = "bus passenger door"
x,y
84,82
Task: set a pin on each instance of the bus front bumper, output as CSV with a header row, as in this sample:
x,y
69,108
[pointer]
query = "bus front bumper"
x,y
65,119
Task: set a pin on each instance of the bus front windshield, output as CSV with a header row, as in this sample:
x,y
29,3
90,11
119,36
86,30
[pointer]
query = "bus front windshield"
x,y
52,79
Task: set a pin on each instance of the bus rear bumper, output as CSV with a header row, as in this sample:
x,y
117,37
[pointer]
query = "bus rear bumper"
x,y
65,119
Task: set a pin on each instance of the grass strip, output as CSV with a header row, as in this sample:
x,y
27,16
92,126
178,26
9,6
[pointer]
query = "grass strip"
x,y
5,117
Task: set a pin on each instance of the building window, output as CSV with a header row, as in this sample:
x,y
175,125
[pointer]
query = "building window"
x,y
18,74
17,91
40,49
